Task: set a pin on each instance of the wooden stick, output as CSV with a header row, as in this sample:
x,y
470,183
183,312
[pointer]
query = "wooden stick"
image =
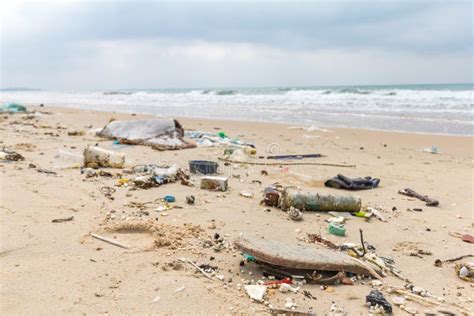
x,y
287,163
425,198
110,241
199,269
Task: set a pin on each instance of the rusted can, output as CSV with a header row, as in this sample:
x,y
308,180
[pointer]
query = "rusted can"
x,y
271,197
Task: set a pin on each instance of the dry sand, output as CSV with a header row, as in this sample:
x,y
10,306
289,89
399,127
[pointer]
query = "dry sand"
x,y
58,268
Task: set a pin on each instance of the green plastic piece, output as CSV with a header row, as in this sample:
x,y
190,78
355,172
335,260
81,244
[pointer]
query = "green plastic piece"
x,y
248,257
360,214
336,229
12,107
222,135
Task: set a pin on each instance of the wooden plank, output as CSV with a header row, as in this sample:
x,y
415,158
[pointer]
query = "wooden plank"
x,y
302,257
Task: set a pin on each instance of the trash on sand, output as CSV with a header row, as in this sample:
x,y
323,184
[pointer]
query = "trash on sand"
x,y
41,170
292,157
12,108
256,292
180,289
318,202
298,257
376,297
432,150
336,220
248,195
65,159
425,198
342,182
161,134
290,303
468,238
198,268
398,300
169,198
203,166
271,196
154,175
95,157
8,155
207,139
108,240
76,133
374,211
295,214
61,220
213,183
336,229
258,163
285,287
190,199
465,271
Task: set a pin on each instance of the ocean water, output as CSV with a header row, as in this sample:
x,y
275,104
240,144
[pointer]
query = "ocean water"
x,y
438,109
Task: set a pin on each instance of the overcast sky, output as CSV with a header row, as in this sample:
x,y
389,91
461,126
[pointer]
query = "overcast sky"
x,y
104,45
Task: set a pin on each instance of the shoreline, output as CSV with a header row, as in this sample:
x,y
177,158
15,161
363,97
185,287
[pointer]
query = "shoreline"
x,y
288,124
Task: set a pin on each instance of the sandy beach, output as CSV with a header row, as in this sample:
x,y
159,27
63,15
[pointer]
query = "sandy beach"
x,y
58,268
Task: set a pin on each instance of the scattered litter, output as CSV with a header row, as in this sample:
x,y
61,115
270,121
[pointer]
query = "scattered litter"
x,y
8,155
248,195
108,240
190,199
76,133
180,289
375,298
256,292
12,108
256,163
95,157
343,182
431,150
199,268
61,220
295,214
290,303
207,139
468,238
214,183
465,271
318,202
277,254
398,300
285,287
65,159
154,175
293,157
41,170
156,299
203,166
161,134
271,197
425,198
169,198
337,229
376,212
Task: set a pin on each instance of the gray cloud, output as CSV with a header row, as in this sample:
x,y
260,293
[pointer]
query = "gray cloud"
x,y
84,38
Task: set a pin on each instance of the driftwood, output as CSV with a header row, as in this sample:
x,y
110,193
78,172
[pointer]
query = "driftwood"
x,y
61,220
302,257
110,241
286,163
425,198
